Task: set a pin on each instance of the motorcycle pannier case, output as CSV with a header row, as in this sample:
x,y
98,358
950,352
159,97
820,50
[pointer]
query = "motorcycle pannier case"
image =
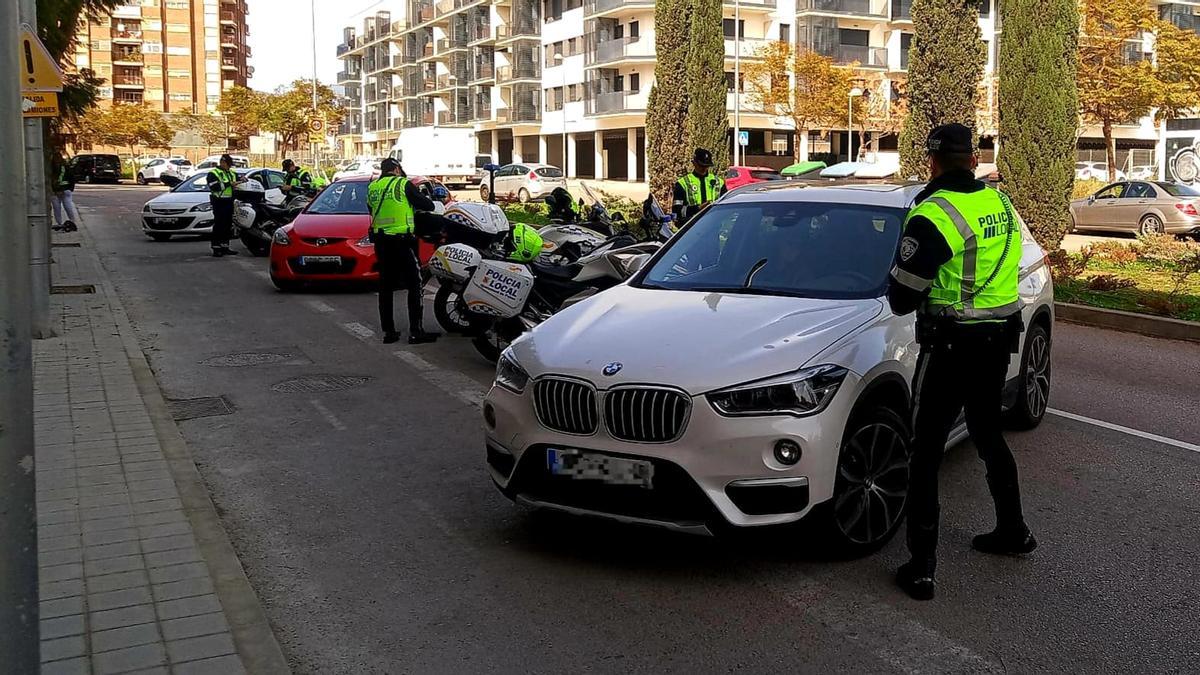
x,y
454,262
249,191
498,289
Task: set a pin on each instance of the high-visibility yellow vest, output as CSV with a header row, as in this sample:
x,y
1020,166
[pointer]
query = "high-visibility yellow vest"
x,y
691,184
226,180
979,283
390,211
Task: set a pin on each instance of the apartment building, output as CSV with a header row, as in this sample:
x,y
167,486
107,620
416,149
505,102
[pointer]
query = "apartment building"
x,y
539,78
173,55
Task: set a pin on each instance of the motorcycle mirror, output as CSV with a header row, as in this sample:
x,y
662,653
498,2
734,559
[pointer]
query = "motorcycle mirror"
x,y
170,181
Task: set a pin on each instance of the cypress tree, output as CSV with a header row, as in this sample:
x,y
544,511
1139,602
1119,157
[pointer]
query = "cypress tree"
x,y
708,116
945,65
1039,112
668,156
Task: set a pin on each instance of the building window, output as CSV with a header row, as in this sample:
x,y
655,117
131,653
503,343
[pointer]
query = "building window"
x,y
785,32
633,29
729,81
635,83
727,25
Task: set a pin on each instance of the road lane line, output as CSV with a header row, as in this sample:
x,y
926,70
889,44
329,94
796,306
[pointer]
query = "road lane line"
x,y
452,382
328,415
320,306
358,330
1183,445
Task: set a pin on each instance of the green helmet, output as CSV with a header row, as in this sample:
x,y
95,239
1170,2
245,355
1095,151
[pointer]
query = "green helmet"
x,y
527,243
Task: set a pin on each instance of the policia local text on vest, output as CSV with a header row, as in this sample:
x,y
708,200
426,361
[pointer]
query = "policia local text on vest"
x,y
958,267
393,202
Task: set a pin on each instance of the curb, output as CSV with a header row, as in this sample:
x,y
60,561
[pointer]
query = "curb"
x,y
1128,322
252,635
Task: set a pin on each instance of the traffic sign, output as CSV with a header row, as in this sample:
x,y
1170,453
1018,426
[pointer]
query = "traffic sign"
x,y
38,70
316,129
39,104
743,138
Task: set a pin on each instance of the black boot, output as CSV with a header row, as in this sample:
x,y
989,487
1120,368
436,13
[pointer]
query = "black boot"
x,y
225,250
1005,542
915,577
418,336
218,252
391,337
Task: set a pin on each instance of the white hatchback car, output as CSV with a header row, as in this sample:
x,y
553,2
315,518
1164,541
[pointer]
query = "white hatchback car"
x,y
153,171
186,208
750,373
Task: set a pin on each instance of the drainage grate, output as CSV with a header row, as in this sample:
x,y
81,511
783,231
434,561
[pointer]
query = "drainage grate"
x,y
66,244
247,359
316,384
78,289
192,408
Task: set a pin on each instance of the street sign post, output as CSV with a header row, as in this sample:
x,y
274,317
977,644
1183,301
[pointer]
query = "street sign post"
x,y
39,104
316,129
38,70
743,138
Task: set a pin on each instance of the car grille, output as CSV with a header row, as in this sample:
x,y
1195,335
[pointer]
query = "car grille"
x,y
565,405
646,415
322,241
166,211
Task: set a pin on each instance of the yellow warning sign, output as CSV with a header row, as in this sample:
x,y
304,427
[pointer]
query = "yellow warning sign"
x,y
316,129
38,70
39,104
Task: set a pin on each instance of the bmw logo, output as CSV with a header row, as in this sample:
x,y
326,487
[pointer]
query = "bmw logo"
x,y
612,369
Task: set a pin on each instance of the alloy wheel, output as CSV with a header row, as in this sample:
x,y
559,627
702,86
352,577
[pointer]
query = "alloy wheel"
x,y
1037,376
872,483
1152,225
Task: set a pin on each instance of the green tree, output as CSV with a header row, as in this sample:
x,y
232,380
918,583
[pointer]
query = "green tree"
x,y
289,108
1117,82
708,112
245,109
1039,112
799,84
945,64
1178,71
668,152
127,125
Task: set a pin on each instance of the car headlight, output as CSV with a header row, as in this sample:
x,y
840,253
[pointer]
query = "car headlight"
x,y
366,241
206,206
280,238
807,392
146,208
510,374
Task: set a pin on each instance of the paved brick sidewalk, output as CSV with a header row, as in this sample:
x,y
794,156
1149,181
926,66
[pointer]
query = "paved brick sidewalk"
x,y
124,580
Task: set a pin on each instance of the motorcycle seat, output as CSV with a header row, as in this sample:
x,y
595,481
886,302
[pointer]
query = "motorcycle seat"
x,y
556,271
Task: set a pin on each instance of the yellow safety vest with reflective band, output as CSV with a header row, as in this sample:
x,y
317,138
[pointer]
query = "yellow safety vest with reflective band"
x,y
390,211
227,179
527,243
297,179
691,188
985,240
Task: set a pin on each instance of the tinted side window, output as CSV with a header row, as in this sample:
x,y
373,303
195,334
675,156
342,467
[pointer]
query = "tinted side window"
x,y
274,179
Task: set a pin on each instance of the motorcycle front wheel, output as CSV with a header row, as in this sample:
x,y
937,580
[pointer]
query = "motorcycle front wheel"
x,y
254,244
449,310
493,339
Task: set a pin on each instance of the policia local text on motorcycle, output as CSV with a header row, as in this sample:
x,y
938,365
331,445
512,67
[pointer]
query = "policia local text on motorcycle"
x,y
220,188
958,267
393,201
697,189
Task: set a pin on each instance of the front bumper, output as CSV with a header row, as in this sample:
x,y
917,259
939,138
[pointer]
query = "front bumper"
x,y
294,262
721,472
185,222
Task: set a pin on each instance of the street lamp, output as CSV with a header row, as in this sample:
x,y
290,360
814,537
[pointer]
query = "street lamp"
x,y
558,61
737,81
856,91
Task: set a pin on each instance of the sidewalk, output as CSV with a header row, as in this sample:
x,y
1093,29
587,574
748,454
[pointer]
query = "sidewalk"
x,y
136,573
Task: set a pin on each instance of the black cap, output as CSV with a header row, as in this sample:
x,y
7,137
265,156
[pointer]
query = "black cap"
x,y
287,163
702,157
227,159
387,166
951,139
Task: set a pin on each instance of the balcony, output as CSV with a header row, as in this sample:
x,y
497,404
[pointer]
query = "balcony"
x,y
446,7
597,8
229,64
426,52
229,18
523,71
902,11
447,45
126,34
870,9
129,11
622,49
129,81
124,57
863,57
746,48
524,114
1180,16
454,118
752,5
484,72
344,77
344,49
481,34
520,31
398,61
612,103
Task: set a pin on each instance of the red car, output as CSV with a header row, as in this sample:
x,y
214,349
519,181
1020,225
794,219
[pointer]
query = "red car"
x,y
737,176
328,241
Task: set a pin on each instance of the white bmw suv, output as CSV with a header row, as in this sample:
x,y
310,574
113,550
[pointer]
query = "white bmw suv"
x,y
751,373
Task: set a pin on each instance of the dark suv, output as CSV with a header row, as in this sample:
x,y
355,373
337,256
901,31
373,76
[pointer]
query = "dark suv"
x,y
95,168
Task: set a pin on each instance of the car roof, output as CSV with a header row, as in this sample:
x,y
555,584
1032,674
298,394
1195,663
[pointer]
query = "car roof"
x,y
892,194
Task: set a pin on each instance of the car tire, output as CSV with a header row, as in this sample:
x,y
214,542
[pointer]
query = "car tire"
x,y
160,237
1151,224
285,285
1033,394
141,180
484,193
870,494
445,310
523,196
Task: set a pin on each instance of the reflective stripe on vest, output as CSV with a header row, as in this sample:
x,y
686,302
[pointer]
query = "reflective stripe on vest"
x,y
390,211
691,188
976,226
226,179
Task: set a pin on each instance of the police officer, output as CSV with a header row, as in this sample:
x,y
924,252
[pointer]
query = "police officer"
x,y
393,202
697,189
220,188
297,179
957,267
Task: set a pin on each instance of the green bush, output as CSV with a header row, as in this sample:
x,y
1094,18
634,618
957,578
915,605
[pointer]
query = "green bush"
x,y
533,213
1086,188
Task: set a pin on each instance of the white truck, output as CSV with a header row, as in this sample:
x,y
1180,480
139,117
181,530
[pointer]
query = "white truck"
x,y
445,153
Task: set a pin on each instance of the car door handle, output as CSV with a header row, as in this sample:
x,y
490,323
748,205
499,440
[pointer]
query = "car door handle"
x,y
1143,201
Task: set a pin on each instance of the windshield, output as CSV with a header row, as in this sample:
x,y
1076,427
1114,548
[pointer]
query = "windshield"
x,y
341,199
1178,190
804,249
197,183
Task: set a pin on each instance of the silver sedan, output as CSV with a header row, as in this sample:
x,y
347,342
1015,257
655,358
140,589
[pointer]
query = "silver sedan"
x,y
1142,207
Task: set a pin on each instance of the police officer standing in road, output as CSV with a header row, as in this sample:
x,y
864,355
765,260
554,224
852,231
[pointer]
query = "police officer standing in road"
x,y
958,267
697,189
220,187
393,202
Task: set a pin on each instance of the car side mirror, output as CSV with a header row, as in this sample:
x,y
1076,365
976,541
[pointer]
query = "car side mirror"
x,y
1091,200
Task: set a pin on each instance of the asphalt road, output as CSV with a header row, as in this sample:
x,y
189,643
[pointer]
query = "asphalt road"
x,y
371,531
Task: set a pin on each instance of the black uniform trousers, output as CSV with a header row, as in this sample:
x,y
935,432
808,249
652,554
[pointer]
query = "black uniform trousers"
x,y
222,221
398,269
964,368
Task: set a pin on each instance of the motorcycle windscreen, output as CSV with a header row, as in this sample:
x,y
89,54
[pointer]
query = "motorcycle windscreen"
x,y
498,289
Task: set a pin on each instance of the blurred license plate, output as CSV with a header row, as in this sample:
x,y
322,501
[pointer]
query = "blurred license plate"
x,y
319,259
166,221
581,465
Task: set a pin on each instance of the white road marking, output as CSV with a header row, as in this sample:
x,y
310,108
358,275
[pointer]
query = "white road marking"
x,y
358,330
452,382
1183,445
320,306
328,415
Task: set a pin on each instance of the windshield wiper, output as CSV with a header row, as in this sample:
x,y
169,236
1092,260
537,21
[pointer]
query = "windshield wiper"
x,y
754,270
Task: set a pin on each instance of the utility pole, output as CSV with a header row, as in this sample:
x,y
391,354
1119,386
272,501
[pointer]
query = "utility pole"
x,y
19,634
39,210
737,82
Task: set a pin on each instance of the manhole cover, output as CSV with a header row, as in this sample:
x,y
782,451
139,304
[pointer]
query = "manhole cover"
x,y
246,359
316,384
79,289
191,408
